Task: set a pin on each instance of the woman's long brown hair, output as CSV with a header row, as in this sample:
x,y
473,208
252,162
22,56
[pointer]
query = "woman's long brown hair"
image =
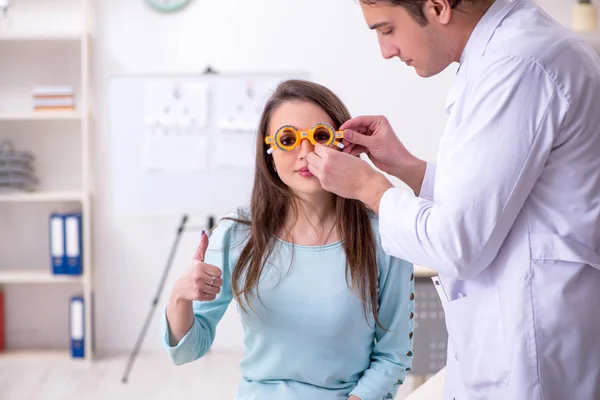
x,y
272,200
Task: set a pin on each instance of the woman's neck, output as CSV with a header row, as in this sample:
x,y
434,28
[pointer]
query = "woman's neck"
x,y
316,221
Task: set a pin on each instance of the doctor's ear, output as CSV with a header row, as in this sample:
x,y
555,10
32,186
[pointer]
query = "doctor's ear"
x,y
439,10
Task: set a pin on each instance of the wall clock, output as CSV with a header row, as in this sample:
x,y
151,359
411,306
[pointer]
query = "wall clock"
x,y
167,6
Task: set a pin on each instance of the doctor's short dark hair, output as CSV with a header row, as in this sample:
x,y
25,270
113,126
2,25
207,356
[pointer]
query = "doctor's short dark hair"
x,y
415,7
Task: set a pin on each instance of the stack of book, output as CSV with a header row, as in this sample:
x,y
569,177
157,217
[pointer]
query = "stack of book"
x,y
16,169
53,98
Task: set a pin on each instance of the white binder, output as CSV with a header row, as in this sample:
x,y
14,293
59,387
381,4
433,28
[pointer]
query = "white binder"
x,y
77,328
57,244
73,244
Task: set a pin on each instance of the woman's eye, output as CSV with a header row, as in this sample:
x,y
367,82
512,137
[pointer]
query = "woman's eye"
x,y
389,32
287,141
322,135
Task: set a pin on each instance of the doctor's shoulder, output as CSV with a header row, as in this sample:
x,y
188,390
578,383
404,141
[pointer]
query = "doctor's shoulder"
x,y
555,51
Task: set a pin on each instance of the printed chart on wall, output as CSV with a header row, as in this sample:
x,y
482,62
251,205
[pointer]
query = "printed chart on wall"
x,y
176,115
239,103
185,144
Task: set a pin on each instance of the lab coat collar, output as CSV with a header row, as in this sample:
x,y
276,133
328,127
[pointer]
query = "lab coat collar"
x,y
478,41
485,28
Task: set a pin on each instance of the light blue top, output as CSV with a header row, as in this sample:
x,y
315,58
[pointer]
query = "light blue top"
x,y
308,337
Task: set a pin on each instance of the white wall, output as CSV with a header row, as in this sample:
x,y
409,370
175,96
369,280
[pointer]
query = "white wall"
x,y
327,38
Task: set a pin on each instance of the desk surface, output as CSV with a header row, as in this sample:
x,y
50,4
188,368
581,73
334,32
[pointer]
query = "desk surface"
x,y
423,272
432,389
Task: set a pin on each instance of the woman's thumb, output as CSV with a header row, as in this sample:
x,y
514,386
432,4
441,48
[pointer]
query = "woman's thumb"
x,y
201,250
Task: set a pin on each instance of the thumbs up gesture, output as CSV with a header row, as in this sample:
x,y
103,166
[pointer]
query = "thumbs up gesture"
x,y
201,282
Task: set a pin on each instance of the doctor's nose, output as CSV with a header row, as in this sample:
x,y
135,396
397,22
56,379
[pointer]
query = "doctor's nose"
x,y
389,51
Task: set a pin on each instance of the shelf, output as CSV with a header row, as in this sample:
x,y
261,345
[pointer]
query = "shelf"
x,y
41,196
40,37
47,46
42,355
37,277
40,116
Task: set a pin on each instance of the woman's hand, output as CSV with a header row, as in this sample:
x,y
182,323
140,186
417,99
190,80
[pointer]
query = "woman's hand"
x,y
353,397
201,282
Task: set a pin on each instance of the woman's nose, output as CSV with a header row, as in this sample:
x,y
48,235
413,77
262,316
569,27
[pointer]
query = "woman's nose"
x,y
306,147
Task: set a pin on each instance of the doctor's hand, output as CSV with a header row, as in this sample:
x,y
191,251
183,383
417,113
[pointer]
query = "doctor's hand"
x,y
201,282
347,176
374,136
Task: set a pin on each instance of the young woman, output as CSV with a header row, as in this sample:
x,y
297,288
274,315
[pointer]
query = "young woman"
x,y
326,313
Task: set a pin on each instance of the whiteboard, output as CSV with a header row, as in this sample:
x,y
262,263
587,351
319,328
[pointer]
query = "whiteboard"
x,y
184,144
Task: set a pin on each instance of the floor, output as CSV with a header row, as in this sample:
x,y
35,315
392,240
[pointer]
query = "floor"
x,y
50,376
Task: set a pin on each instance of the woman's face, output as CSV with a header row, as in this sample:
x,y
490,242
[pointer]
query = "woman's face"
x,y
291,166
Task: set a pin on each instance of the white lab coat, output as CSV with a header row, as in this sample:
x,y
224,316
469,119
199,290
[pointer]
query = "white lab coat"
x,y
509,216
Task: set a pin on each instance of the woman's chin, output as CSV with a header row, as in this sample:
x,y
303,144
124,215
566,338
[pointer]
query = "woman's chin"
x,y
307,187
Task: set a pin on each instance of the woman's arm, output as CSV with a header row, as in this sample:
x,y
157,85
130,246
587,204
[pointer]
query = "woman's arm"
x,y
392,355
189,325
205,317
201,282
180,318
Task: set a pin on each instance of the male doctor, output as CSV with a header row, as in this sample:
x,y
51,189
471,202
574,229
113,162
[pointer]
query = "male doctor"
x,y
509,215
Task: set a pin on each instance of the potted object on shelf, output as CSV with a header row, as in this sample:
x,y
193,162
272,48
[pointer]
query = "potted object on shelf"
x,y
585,16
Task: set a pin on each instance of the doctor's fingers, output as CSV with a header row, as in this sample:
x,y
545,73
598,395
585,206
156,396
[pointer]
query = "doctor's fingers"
x,y
316,172
315,166
365,124
359,139
358,150
314,160
331,159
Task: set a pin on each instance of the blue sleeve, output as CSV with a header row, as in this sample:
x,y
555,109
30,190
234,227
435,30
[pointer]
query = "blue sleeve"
x,y
207,315
392,354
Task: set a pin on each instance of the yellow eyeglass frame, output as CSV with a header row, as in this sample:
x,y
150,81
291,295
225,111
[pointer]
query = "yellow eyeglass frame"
x,y
275,140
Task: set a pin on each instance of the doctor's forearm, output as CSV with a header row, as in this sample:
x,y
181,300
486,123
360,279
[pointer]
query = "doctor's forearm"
x,y
412,173
373,190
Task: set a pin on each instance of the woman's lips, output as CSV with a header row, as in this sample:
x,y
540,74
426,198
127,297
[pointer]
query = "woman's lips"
x,y
304,172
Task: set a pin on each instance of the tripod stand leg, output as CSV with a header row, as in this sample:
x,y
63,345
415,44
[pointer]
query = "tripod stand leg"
x,y
138,344
142,333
